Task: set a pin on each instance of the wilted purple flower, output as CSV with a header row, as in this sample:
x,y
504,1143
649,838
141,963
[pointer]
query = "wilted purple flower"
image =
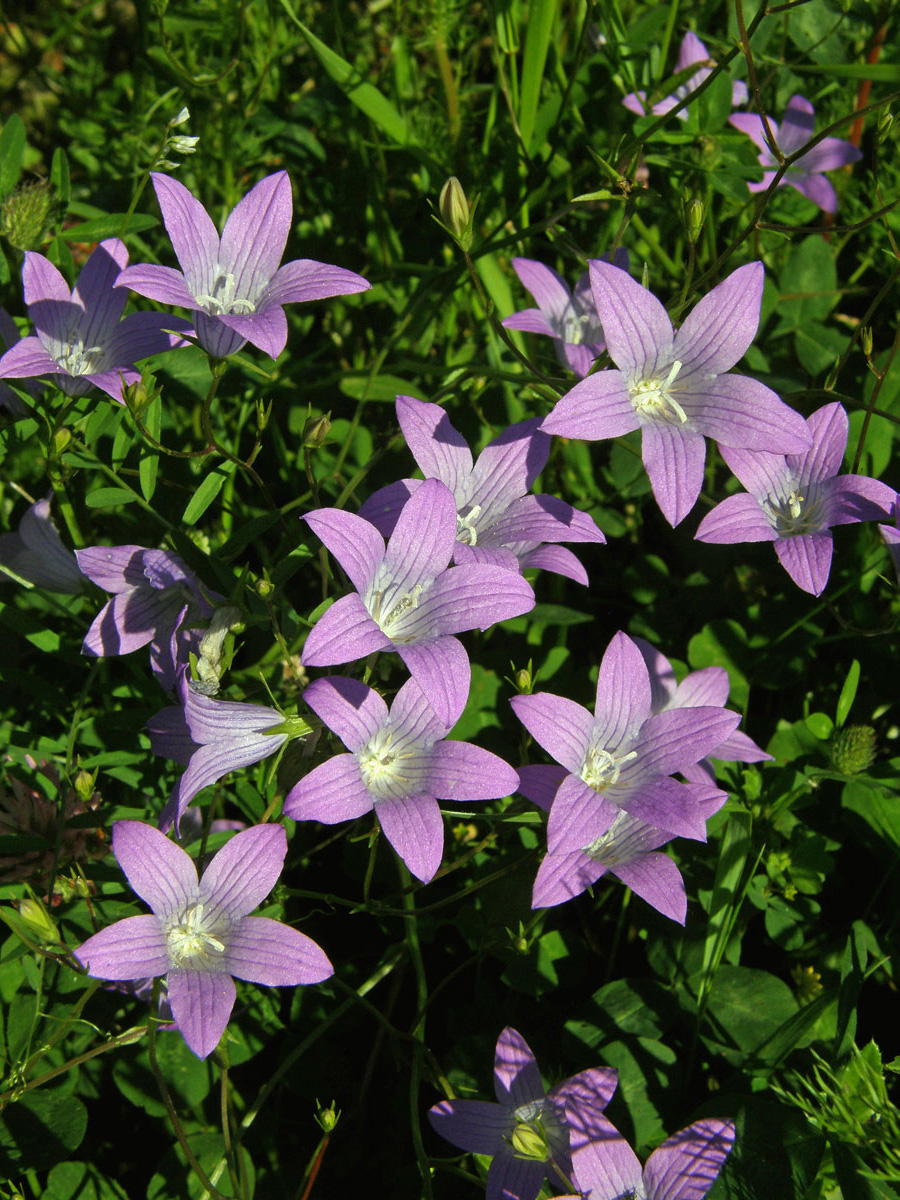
x,y
709,685
200,935
407,601
674,387
569,317
622,757
155,596
399,765
692,51
684,1167
497,524
532,1134
628,850
234,284
81,339
214,737
793,500
805,174
36,553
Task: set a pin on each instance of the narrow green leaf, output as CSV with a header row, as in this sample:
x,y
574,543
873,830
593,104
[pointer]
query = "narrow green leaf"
x,y
541,19
877,72
59,175
12,148
207,492
365,96
726,896
848,694
149,464
107,226
108,497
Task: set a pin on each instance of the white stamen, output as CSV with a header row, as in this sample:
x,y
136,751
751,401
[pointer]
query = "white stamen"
x,y
794,514
601,769
78,359
465,528
222,299
192,945
652,398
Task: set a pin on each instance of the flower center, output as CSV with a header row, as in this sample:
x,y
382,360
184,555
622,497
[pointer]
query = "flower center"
x,y
604,849
576,328
652,397
193,944
795,514
465,526
398,604
601,769
380,766
222,298
77,359
538,1133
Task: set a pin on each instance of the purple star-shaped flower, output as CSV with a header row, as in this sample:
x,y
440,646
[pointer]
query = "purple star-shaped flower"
x,y
200,935
398,765
628,850
692,51
497,524
622,757
674,386
81,339
684,1167
36,553
407,601
155,596
569,317
234,284
793,500
805,174
214,737
532,1134
710,686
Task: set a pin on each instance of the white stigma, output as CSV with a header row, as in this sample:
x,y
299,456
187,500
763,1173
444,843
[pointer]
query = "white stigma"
x,y
601,769
222,299
652,397
465,526
77,359
380,764
193,944
795,514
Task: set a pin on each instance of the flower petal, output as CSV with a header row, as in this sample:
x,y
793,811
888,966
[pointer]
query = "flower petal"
x,y
354,542
344,633
638,331
670,807
513,1178
421,545
816,188
751,124
851,498
245,870
474,1125
261,950
332,792
606,1165
623,696
829,154
736,519
164,284
721,326
562,877
458,771
158,870
384,506
201,1004
440,666
517,1079
266,328
585,1095
578,817
134,948
440,451
561,726
680,737
508,466
738,411
414,827
42,281
557,559
96,292
686,1166
807,559
548,288
674,458
797,125
529,320
655,878
210,763
191,231
26,359
349,708
304,279
256,233
598,407
539,783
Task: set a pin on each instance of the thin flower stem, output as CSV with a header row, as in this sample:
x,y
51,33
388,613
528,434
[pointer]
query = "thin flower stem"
x,y
309,1175
451,97
872,401
418,1028
754,83
226,1122
123,1039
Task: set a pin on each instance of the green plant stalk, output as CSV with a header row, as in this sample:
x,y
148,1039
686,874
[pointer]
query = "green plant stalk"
x,y
417,1029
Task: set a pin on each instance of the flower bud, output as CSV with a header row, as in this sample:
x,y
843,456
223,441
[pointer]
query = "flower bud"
x,y
59,443
28,215
263,412
528,1141
180,118
85,782
865,340
315,431
264,588
523,680
695,218
327,1117
885,124
455,212
852,749
38,924
139,396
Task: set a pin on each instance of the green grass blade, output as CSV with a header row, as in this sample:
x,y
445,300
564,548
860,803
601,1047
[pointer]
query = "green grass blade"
x,y
541,20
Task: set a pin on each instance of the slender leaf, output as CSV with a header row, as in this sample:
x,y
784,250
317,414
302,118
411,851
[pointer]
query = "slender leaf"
x,y
12,148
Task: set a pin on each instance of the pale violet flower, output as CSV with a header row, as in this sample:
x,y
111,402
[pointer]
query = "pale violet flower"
x,y
199,934
36,553
805,173
677,387
234,284
794,500
691,53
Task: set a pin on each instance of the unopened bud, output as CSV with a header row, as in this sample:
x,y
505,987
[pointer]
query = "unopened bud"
x,y
182,144
695,218
454,207
865,340
59,443
85,782
28,215
523,680
885,124
264,588
263,412
38,923
180,118
327,1117
140,395
529,1141
315,431
852,749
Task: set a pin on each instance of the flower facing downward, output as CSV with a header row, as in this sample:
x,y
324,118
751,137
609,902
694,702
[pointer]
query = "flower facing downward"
x,y
805,173
81,339
675,386
793,500
692,52
200,934
532,1134
234,283
36,553
497,523
398,765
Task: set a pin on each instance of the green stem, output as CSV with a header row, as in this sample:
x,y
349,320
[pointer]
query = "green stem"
x,y
417,1029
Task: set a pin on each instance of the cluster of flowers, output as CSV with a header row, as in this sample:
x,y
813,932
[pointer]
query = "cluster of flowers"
x,y
563,1135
